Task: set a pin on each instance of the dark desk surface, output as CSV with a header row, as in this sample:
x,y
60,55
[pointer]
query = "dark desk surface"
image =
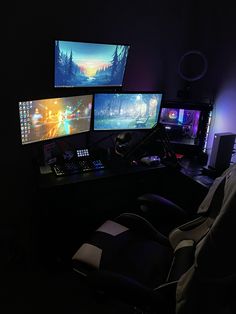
x,y
189,168
51,180
194,170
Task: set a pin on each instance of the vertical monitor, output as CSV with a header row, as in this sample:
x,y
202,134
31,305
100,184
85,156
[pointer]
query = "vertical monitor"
x,y
80,64
126,111
47,119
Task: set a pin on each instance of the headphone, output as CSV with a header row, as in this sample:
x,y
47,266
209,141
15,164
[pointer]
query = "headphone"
x,y
122,142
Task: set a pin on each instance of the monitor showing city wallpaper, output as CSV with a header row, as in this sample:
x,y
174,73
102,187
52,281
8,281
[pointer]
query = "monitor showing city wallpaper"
x,y
46,119
126,110
79,64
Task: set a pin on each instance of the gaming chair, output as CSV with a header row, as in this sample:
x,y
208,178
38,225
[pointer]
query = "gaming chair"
x,y
192,270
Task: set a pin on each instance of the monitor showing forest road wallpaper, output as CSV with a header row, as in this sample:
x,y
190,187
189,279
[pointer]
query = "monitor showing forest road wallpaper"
x,y
79,64
131,110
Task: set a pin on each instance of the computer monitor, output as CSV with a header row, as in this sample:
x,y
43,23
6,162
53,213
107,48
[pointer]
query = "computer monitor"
x,y
126,111
80,64
46,119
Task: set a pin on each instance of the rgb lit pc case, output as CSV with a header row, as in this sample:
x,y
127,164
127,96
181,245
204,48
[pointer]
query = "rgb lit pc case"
x,y
187,124
181,124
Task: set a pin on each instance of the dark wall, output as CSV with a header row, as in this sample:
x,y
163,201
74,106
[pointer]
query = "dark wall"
x,y
159,33
150,30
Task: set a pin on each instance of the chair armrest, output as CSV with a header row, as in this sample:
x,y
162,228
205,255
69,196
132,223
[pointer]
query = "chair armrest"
x,y
161,212
161,207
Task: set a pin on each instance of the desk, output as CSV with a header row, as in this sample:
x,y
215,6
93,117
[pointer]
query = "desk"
x,y
112,189
189,167
51,180
130,181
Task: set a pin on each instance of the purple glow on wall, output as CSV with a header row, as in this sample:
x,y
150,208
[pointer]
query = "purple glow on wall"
x,y
224,113
196,122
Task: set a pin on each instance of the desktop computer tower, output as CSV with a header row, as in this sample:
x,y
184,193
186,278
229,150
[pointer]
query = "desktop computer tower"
x,y
222,149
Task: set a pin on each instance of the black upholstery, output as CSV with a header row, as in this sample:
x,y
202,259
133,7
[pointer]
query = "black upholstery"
x,y
182,273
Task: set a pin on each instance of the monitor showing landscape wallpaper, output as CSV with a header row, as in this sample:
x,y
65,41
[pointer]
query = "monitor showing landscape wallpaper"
x,y
79,64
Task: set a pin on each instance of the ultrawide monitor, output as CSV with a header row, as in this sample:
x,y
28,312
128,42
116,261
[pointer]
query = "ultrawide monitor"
x,y
47,119
181,124
80,64
126,111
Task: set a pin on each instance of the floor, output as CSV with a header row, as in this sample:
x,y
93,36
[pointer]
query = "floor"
x,y
34,291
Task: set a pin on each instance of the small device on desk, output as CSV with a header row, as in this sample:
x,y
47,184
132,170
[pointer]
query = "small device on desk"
x,y
150,160
78,162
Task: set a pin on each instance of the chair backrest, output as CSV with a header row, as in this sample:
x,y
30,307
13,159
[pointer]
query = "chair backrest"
x,y
203,288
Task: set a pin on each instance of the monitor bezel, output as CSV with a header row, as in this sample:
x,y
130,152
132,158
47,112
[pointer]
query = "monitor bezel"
x,y
58,137
95,87
126,129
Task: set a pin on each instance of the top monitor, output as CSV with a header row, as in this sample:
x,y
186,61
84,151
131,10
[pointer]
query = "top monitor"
x,y
126,111
79,64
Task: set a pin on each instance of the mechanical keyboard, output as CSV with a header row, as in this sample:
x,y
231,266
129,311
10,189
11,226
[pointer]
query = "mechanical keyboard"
x,y
77,166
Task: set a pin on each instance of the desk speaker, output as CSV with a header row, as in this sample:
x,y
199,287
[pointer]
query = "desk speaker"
x,y
222,150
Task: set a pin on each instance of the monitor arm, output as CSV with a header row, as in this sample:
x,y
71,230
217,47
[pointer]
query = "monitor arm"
x,y
157,133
